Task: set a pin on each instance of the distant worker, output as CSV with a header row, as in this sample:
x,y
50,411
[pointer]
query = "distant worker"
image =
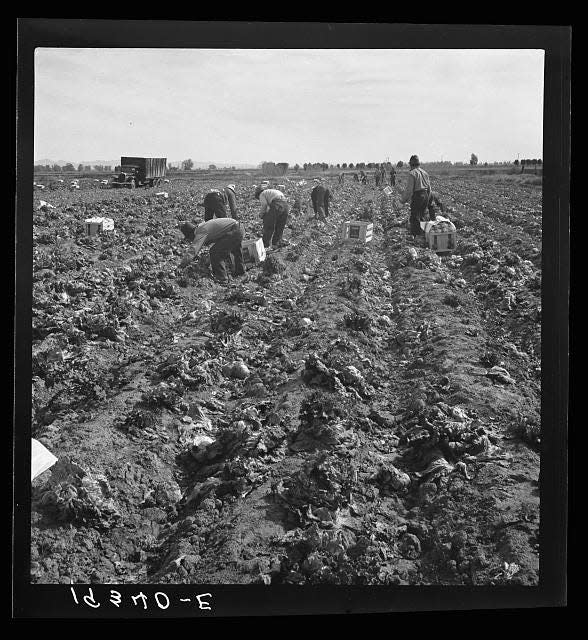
x,y
362,177
417,192
382,175
341,178
225,235
377,177
355,177
320,197
232,200
392,176
274,213
215,205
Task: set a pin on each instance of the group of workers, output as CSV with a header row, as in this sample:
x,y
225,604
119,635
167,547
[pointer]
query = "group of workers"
x,y
222,229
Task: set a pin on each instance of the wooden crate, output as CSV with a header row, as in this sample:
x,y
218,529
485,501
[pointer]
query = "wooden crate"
x,y
253,250
98,225
356,231
442,242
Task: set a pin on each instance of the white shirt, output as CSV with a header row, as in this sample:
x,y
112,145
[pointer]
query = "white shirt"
x,y
267,196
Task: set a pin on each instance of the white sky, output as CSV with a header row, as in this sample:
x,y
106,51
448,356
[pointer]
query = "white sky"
x,y
288,105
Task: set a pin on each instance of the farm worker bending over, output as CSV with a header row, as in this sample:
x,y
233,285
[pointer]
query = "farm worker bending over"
x,y
274,213
418,192
232,200
215,205
320,197
225,235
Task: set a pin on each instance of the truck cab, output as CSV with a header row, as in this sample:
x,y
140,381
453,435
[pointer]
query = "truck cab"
x,y
140,172
129,175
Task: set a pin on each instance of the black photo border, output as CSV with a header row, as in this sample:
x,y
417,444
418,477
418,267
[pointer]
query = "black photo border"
x,y
57,601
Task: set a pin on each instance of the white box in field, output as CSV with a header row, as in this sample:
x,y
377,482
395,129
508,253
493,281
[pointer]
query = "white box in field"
x,y
253,250
440,234
356,231
98,225
442,241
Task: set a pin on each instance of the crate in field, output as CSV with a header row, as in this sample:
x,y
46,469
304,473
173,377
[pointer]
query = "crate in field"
x,y
98,225
388,191
356,231
253,250
281,187
440,234
442,242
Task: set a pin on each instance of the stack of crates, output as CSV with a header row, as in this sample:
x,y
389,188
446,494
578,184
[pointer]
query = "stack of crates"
x,y
98,225
356,231
253,250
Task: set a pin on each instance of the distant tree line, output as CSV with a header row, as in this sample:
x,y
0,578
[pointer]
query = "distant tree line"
x,y
535,162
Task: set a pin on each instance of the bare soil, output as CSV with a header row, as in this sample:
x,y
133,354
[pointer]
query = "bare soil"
x,y
384,428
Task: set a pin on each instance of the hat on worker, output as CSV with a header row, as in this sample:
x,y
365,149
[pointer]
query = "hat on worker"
x,y
414,161
231,187
258,192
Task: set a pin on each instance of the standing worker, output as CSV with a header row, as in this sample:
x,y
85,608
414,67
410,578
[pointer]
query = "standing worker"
x,y
231,200
377,177
225,235
392,176
215,205
382,175
418,193
274,213
341,178
320,197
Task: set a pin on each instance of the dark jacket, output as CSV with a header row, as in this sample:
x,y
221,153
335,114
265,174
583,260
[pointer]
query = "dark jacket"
x,y
320,196
215,205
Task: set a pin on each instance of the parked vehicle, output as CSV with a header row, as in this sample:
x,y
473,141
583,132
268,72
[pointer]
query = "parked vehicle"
x,y
140,172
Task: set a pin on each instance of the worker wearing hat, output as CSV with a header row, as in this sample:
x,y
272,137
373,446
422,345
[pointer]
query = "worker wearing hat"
x,y
320,196
215,205
417,192
224,236
274,213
